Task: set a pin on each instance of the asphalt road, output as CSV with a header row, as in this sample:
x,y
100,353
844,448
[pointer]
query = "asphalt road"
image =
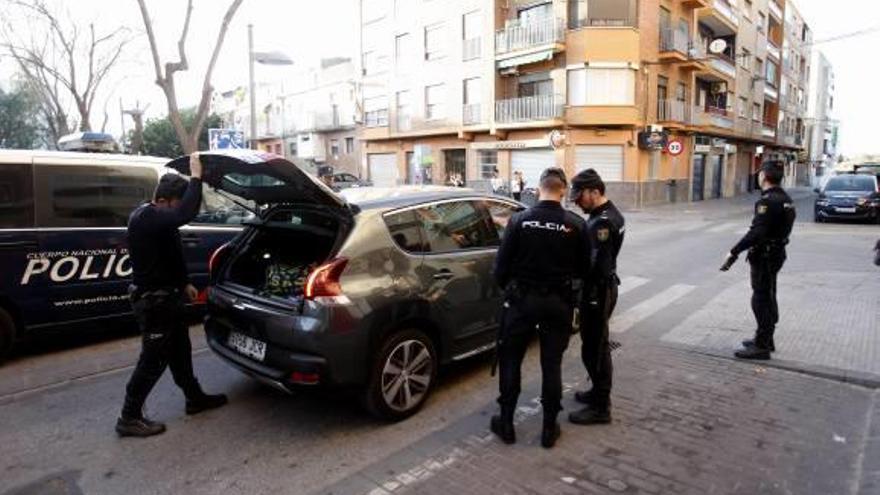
x,y
59,402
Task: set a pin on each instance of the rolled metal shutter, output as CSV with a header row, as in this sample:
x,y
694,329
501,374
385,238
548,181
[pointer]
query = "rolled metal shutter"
x,y
607,160
531,163
383,169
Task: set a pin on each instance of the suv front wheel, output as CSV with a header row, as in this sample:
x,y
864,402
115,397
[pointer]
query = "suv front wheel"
x,y
402,375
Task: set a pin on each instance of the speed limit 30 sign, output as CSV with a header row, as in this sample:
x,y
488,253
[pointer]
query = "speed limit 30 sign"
x,y
674,147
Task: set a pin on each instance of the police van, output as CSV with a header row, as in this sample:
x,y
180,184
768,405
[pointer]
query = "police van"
x,y
64,260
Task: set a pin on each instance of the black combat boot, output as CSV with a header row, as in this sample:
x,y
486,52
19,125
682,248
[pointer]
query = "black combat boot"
x,y
751,343
550,432
202,402
138,427
502,425
753,352
597,412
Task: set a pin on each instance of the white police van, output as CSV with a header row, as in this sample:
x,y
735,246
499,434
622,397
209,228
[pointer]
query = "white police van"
x,y
64,260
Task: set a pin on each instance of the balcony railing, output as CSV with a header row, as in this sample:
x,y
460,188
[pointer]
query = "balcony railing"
x,y
768,130
724,66
712,116
529,109
674,40
529,35
776,10
472,114
472,49
771,92
773,50
726,11
672,111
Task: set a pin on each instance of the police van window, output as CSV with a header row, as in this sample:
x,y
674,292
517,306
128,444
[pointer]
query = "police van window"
x,y
499,216
218,209
90,196
455,226
16,196
406,230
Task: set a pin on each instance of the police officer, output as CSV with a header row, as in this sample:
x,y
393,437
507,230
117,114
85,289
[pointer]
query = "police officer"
x,y
606,230
765,242
542,258
325,173
160,286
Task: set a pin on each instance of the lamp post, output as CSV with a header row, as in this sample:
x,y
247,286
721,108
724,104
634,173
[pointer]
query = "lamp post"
x,y
265,58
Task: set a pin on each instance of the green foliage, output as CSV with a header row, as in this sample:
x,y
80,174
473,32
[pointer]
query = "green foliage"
x,y
160,139
20,126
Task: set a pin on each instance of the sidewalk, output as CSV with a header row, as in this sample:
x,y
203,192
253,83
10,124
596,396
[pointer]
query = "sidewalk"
x,y
684,423
742,204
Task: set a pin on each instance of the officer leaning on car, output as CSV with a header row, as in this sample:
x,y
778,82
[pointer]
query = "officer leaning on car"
x,y
606,230
543,257
158,292
765,242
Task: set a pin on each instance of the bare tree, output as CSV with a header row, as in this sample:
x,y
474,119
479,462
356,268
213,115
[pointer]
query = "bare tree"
x,y
188,137
62,61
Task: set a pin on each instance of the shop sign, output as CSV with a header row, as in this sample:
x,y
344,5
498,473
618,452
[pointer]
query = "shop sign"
x,y
510,145
653,140
702,148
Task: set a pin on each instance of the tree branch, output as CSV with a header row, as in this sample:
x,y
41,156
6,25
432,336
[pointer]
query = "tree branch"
x,y
151,36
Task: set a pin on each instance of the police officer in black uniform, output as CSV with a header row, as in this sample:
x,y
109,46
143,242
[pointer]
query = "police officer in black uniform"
x,y
542,259
606,228
765,242
158,292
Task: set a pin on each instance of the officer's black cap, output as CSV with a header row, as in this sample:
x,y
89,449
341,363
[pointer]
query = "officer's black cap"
x,y
171,186
773,166
587,179
555,172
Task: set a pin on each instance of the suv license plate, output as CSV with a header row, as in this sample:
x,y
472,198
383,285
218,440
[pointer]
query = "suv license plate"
x,y
249,347
845,210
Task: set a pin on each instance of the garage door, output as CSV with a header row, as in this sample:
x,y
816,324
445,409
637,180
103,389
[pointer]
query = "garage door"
x,y
605,159
531,163
383,169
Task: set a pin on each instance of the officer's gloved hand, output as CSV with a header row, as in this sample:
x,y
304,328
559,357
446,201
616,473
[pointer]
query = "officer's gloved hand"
x,y
728,262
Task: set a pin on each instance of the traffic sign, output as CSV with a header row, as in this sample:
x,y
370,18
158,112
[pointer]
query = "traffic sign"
x,y
674,147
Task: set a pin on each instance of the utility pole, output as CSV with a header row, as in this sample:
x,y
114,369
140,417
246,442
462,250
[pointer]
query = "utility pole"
x,y
253,94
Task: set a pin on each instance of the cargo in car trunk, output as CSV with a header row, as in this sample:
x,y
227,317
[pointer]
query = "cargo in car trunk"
x,y
280,252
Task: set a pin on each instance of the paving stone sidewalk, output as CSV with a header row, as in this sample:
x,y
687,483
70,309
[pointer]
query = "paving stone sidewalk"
x,y
685,423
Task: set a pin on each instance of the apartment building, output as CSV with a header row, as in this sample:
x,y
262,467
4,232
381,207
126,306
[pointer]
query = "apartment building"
x,y
670,100
822,129
306,115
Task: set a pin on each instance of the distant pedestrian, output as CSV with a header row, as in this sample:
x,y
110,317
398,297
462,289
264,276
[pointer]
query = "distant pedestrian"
x,y
544,254
325,173
159,289
606,229
496,182
517,185
765,242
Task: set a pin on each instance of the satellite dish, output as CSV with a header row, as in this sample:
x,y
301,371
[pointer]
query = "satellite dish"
x,y
717,46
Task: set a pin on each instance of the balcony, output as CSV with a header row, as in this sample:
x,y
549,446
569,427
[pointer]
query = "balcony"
x,y
712,117
673,111
472,114
472,49
768,131
774,51
776,10
721,17
771,92
529,109
674,44
724,66
542,37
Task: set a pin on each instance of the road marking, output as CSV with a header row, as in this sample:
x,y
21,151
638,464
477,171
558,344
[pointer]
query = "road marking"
x,y
631,283
648,307
724,227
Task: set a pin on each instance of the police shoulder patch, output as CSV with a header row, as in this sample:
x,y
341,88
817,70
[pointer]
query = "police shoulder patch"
x,y
762,209
603,234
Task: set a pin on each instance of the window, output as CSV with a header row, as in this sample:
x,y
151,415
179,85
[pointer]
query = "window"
x,y
293,149
662,88
745,58
219,209
374,62
500,214
488,163
852,183
592,86
404,111
535,13
455,226
435,102
759,66
406,230
349,145
334,147
403,54
756,112
374,9
470,35
681,92
376,111
542,86
16,196
601,13
772,72
434,41
742,110
665,19
68,196
762,22
471,98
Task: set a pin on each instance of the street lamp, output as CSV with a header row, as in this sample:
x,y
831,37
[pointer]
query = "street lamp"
x,y
265,58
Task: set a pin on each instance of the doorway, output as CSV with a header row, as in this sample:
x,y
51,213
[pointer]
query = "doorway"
x,y
717,176
456,167
699,182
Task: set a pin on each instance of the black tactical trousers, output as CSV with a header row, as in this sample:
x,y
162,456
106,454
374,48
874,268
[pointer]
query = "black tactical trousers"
x,y
595,348
165,343
550,315
765,267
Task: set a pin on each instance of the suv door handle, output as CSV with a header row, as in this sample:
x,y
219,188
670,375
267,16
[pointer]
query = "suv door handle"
x,y
444,275
191,240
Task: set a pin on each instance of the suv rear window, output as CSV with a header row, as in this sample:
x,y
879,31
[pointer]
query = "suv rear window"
x,y
16,196
90,196
406,230
852,183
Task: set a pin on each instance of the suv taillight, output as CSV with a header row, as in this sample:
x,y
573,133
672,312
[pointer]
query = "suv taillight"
x,y
324,280
216,259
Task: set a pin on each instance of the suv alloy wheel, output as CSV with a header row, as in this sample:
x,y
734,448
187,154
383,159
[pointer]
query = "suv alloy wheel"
x,y
402,375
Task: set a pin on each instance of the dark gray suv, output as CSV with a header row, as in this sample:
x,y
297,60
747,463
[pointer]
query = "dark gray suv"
x,y
374,287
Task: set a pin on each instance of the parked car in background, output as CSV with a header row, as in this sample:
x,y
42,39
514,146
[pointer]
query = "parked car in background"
x,y
853,196
63,251
373,288
345,180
